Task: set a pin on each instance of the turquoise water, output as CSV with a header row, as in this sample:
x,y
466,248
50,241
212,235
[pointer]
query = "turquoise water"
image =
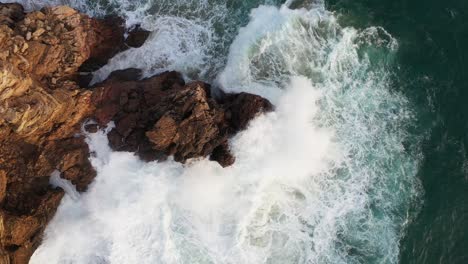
x,y
363,161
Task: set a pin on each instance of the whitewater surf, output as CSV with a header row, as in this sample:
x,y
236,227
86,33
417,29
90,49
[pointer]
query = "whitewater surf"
x,y
325,178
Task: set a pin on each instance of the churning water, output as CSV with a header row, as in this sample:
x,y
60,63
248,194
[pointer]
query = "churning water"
x,y
326,178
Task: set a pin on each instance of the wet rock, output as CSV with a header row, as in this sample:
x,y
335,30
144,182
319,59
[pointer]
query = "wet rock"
x,y
137,37
191,124
222,155
110,33
130,74
83,79
162,116
132,105
243,107
91,128
70,157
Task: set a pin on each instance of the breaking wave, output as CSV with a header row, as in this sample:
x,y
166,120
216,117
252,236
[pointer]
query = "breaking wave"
x,y
326,178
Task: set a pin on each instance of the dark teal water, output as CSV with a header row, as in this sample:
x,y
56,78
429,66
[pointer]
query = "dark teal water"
x,y
433,72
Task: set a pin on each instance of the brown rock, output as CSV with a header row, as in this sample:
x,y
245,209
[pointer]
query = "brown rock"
x,y
191,124
162,116
38,32
132,105
41,110
21,234
70,157
107,39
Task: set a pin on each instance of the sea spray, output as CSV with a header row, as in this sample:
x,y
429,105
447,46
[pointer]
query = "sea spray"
x,y
351,69
323,179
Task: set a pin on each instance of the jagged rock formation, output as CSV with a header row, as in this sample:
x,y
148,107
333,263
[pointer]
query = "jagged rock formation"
x,y
41,110
162,116
44,100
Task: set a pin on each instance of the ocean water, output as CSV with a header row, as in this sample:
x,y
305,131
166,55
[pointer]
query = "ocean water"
x,y
432,67
363,160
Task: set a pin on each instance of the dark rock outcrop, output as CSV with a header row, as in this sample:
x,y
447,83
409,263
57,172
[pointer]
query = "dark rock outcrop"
x,y
162,116
189,123
137,37
242,108
222,155
131,104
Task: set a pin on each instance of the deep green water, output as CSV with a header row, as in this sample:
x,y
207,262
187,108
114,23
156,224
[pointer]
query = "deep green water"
x,y
433,72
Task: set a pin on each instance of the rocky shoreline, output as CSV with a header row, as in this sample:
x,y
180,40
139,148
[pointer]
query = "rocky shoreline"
x,y
46,60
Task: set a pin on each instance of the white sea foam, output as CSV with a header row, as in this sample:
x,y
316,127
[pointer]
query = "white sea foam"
x,y
176,43
323,179
66,185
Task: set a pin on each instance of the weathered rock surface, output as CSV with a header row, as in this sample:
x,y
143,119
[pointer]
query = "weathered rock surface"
x,y
162,116
53,43
41,110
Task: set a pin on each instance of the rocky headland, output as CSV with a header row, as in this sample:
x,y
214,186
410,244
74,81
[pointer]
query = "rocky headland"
x,y
46,60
